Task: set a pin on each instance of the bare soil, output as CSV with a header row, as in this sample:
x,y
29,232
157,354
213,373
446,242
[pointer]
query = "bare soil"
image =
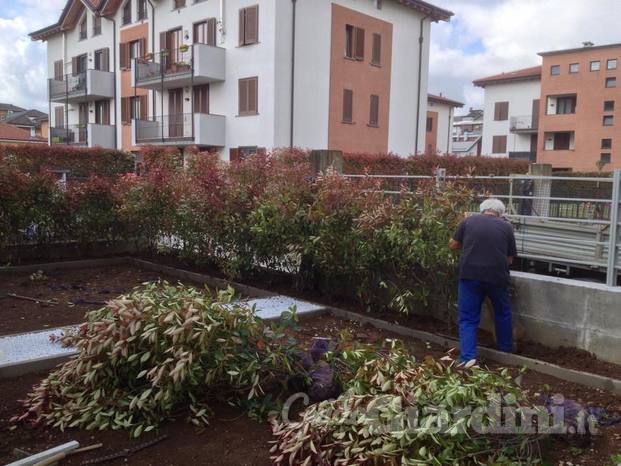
x,y
234,439
75,291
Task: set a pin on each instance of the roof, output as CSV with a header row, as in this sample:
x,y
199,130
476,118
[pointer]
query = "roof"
x,y
434,12
443,100
11,108
68,18
10,133
73,10
26,118
524,74
579,49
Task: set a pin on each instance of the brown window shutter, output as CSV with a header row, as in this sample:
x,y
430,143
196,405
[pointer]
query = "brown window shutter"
x,y
374,111
143,107
105,59
253,95
125,109
163,41
243,96
123,55
377,49
252,24
359,48
499,144
211,31
505,111
242,26
234,154
58,70
143,47
74,66
59,117
348,106
501,111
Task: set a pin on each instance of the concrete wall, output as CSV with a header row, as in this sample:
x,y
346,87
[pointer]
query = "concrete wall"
x,y
561,312
520,96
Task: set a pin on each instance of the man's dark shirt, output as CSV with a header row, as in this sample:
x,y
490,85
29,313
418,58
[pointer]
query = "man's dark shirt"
x,y
486,241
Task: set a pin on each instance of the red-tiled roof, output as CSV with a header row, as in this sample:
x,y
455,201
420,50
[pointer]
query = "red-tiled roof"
x,y
10,133
523,74
434,12
443,100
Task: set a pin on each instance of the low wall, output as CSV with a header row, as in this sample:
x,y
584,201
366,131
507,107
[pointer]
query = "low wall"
x,y
561,312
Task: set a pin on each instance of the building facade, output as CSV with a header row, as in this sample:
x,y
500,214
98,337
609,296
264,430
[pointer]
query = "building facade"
x,y
439,126
511,113
238,76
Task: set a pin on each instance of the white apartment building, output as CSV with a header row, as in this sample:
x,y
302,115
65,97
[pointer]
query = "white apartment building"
x,y
511,113
240,76
439,127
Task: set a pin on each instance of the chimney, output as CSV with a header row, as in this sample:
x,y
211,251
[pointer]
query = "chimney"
x,y
588,44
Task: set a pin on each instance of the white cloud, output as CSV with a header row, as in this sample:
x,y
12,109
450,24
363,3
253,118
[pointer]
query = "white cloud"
x,y
23,69
486,37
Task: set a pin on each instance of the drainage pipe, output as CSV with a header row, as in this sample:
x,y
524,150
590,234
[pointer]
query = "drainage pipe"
x,y
292,116
421,40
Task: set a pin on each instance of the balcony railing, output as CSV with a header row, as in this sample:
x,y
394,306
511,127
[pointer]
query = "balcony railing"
x,y
192,64
524,123
84,86
71,135
524,155
185,128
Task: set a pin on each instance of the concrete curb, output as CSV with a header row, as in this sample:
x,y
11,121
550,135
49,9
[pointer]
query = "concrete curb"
x,y
33,366
569,375
66,265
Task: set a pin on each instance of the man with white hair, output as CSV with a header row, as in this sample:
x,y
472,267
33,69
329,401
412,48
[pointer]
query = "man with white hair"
x,y
488,248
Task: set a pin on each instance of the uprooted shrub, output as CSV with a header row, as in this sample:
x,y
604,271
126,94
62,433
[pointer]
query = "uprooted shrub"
x,y
397,410
156,351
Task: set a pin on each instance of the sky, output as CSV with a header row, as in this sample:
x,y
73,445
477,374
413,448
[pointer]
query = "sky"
x,y
484,37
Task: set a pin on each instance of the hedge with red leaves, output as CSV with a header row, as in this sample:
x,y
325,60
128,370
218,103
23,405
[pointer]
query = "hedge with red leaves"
x,y
80,162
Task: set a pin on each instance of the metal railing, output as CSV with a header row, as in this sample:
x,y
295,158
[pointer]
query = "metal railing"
x,y
165,63
523,123
562,220
523,155
70,135
68,85
165,128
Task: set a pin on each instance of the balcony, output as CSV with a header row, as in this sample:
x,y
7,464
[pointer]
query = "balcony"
x,y
194,65
523,124
524,155
89,135
82,87
201,129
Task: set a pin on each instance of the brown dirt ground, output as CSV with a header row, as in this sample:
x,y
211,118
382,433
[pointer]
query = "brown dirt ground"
x,y
234,439
95,285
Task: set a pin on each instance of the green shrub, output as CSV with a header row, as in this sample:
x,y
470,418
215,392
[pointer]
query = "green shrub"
x,y
148,354
393,412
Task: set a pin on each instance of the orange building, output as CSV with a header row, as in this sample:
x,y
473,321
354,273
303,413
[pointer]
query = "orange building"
x,y
579,108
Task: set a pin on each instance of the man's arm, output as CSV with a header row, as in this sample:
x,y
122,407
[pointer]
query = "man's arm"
x,y
512,248
454,244
457,240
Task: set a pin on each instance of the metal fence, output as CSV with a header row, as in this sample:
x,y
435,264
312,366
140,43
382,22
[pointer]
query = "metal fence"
x,y
562,220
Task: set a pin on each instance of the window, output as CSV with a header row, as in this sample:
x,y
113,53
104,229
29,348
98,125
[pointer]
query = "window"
x,y
604,158
201,99
130,51
83,29
595,65
246,152
79,64
574,68
501,111
205,32
499,144
562,141
555,70
248,96
59,70
142,10
348,106
376,58
249,25
127,12
429,124
102,59
354,42
606,143
611,64
179,4
566,105
374,111
611,82
102,112
609,106
608,120
135,108
349,41
96,25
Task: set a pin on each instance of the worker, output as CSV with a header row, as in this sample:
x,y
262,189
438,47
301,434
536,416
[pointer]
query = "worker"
x,y
488,248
